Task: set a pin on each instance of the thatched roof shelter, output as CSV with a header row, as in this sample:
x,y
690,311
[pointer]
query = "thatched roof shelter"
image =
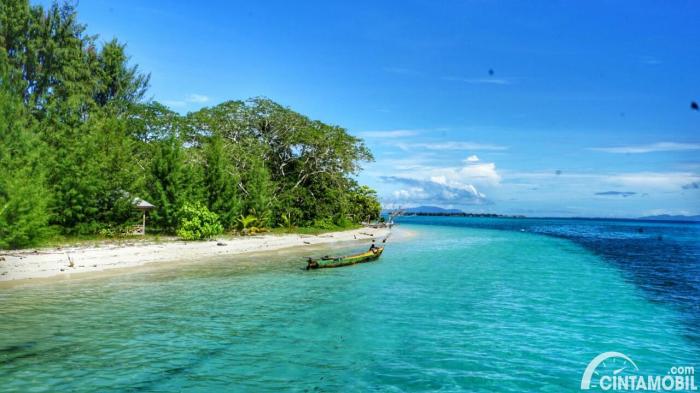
x,y
144,206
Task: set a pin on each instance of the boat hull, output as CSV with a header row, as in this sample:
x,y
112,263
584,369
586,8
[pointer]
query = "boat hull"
x,y
368,256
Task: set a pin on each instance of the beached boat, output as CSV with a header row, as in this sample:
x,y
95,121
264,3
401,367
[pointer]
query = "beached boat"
x,y
324,262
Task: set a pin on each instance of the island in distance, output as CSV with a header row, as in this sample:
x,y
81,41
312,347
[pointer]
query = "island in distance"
x,y
668,217
439,211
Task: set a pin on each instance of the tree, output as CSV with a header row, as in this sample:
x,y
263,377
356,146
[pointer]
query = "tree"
x,y
23,197
166,185
79,97
290,165
364,204
258,188
221,181
117,83
79,142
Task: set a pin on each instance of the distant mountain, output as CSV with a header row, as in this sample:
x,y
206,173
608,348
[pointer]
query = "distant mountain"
x,y
668,217
432,210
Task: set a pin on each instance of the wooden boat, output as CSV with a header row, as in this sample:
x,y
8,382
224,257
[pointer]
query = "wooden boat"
x,y
324,262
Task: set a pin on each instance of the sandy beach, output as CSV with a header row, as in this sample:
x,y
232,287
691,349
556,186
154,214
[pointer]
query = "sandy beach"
x,y
67,261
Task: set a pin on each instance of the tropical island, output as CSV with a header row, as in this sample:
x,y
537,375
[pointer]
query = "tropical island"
x,y
164,233
82,144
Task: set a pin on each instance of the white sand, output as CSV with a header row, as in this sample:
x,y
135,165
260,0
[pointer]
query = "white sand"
x,y
27,264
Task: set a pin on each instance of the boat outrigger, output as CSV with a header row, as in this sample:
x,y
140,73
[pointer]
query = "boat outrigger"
x,y
324,262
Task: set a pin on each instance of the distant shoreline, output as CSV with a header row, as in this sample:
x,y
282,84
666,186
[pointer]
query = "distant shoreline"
x,y
450,214
690,220
65,262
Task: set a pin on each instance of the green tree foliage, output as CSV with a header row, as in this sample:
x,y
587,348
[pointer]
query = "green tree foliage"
x,y
78,97
23,201
79,142
290,165
117,84
196,222
221,181
364,204
167,183
259,191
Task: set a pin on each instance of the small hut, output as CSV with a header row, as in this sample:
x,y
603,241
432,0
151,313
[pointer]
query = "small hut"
x,y
144,206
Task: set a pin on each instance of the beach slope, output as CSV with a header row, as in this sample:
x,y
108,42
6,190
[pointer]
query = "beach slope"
x,y
63,261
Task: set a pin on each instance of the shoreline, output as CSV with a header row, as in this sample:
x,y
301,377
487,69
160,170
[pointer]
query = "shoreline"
x,y
25,265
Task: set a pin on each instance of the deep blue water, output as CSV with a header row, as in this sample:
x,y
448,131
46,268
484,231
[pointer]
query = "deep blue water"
x,y
661,258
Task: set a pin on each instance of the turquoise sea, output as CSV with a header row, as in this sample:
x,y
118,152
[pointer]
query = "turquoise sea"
x,y
454,304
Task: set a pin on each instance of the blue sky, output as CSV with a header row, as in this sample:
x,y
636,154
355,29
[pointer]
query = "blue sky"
x,y
586,113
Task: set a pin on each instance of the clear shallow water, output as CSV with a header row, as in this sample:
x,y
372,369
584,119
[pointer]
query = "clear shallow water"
x,y
662,259
452,309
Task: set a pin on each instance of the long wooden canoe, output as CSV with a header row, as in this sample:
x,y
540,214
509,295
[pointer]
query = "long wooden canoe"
x,y
344,261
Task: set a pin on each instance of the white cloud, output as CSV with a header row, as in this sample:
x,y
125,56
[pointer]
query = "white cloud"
x,y
451,145
659,181
457,185
404,163
650,148
388,133
412,193
461,177
432,191
175,103
638,181
479,173
191,99
472,158
671,212
197,98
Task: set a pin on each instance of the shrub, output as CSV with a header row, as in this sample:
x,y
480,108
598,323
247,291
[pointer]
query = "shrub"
x,y
324,223
196,222
342,222
246,222
286,221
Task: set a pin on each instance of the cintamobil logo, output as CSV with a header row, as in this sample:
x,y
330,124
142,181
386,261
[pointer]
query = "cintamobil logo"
x,y
617,372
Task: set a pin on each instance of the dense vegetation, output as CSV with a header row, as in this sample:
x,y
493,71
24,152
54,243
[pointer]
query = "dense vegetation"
x,y
78,142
